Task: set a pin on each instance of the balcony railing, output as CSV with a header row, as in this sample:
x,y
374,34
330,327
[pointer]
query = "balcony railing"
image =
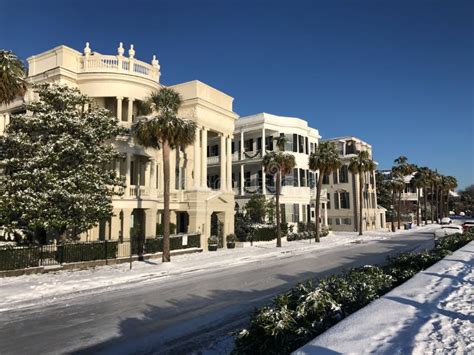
x,y
117,64
138,191
213,160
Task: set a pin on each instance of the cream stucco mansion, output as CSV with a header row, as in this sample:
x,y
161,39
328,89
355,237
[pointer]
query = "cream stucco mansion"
x,y
209,179
119,83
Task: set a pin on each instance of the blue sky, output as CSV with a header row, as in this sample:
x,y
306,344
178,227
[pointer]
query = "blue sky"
x,y
398,74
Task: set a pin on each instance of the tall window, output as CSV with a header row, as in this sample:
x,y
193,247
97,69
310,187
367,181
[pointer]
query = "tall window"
x,y
336,200
301,144
326,180
302,178
334,177
296,212
306,148
344,174
248,145
329,201
344,200
295,177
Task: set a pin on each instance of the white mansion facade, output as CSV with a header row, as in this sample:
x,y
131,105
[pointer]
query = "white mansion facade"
x,y
119,83
254,136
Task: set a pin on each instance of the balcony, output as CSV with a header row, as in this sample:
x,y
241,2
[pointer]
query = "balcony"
x,y
139,191
409,196
117,64
213,160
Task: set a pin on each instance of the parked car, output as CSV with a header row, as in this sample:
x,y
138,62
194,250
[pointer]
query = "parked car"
x,y
446,220
447,230
466,226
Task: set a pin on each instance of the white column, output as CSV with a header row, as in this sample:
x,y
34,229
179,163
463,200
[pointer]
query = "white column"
x,y
242,181
130,110
325,214
263,142
119,108
128,161
197,163
153,177
204,158
242,156
173,154
263,180
229,163
222,160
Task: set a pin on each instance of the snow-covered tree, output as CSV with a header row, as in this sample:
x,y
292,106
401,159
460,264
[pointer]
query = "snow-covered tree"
x,y
58,176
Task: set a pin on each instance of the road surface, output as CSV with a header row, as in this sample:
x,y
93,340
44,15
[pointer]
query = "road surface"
x,y
185,313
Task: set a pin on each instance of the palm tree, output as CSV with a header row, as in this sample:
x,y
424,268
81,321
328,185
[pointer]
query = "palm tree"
x,y
403,168
325,160
12,77
361,164
421,182
165,130
397,185
451,184
279,164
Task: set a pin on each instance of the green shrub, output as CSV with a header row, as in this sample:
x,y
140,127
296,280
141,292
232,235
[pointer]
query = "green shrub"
x,y
263,234
13,258
194,241
159,229
455,241
407,265
86,251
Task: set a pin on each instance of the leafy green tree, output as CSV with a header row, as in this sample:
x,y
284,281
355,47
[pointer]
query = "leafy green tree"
x,y
56,160
325,160
279,164
270,210
360,165
256,208
165,130
12,77
384,192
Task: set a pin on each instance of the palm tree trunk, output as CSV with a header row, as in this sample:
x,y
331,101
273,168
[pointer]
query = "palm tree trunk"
x,y
441,204
166,202
417,206
437,204
399,205
425,199
393,211
277,208
361,207
447,204
432,203
318,198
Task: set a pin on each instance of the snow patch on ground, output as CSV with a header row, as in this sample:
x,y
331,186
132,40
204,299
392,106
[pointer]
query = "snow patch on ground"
x,y
431,313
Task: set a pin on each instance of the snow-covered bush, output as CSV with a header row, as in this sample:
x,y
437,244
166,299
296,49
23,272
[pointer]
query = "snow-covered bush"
x,y
454,241
58,176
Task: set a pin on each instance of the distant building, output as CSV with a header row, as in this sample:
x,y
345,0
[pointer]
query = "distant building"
x,y
343,190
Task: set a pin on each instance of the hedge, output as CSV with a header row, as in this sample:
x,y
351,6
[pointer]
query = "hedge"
x,y
86,251
297,316
155,245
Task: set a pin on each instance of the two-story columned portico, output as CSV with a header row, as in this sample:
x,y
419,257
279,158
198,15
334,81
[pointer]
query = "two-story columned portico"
x,y
121,83
254,136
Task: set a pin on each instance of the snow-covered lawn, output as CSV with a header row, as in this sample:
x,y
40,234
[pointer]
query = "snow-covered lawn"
x,y
27,290
432,313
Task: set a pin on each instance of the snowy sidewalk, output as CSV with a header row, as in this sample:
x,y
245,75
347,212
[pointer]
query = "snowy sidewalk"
x,y
431,313
29,290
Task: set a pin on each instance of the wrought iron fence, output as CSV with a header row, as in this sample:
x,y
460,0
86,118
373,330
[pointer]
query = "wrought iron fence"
x,y
21,257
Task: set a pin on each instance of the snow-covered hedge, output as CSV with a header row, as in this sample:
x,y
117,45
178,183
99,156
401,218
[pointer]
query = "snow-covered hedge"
x,y
299,315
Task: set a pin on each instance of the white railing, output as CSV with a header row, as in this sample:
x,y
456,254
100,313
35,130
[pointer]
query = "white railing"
x,y
117,64
138,191
409,196
213,160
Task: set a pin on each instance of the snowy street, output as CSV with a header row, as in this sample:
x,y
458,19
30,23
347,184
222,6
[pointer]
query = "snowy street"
x,y
187,304
432,313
